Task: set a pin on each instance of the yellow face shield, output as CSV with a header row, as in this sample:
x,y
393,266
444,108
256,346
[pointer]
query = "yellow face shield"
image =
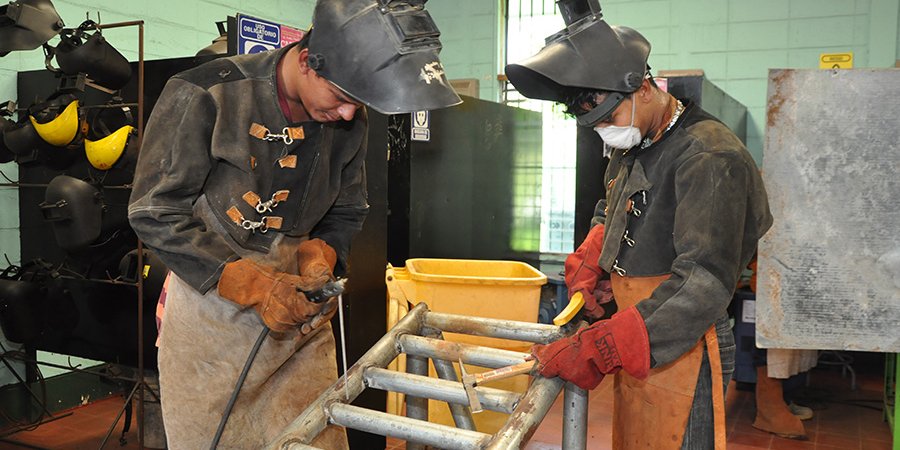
x,y
103,153
62,129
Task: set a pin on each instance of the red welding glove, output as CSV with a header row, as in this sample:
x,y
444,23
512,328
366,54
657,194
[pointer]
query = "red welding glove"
x,y
600,349
272,294
583,274
316,260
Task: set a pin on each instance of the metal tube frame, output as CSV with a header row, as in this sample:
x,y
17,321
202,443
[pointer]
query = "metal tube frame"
x,y
527,411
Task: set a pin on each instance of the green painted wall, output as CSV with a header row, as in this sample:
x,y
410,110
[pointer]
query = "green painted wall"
x,y
734,41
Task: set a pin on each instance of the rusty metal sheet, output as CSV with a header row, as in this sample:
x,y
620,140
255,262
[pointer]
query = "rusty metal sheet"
x,y
830,266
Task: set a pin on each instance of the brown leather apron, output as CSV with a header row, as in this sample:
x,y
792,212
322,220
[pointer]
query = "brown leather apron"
x,y
653,413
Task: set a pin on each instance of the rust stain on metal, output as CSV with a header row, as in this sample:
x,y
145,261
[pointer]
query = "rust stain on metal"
x,y
519,419
779,79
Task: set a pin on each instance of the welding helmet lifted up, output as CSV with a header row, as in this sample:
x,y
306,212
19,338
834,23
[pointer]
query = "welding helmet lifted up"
x,y
383,53
587,54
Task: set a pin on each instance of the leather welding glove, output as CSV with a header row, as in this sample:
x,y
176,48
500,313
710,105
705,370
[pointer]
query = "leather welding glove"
x,y
316,260
620,343
583,274
274,295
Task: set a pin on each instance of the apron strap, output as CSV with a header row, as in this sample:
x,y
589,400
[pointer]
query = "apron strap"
x,y
718,397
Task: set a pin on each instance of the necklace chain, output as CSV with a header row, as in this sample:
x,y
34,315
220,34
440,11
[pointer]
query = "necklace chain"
x,y
679,108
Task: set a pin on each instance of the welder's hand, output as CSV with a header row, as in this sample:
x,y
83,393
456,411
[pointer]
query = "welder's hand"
x,y
316,260
620,343
583,274
274,295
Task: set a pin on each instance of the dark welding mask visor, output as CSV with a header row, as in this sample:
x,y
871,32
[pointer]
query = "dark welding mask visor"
x,y
602,111
75,209
85,50
382,53
27,24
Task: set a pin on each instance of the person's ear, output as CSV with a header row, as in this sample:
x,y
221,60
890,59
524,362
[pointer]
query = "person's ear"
x,y
645,92
303,59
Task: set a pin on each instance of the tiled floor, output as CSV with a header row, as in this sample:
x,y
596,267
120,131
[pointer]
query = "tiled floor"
x,y
836,426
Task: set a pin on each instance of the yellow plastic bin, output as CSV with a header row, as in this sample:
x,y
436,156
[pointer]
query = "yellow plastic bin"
x,y
508,290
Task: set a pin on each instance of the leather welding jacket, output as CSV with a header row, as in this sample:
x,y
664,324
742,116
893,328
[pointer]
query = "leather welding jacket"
x,y
691,205
198,156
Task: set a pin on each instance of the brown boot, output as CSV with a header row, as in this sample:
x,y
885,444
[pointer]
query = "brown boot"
x,y
772,414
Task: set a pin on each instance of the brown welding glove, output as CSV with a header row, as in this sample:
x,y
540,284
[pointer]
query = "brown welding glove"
x,y
272,294
316,261
620,343
583,274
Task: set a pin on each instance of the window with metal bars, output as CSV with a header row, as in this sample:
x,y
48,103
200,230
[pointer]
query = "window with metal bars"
x,y
528,22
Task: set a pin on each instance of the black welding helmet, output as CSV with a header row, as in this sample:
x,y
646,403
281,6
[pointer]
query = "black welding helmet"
x,y
75,210
6,110
154,272
588,54
58,120
85,50
27,24
21,307
110,131
383,53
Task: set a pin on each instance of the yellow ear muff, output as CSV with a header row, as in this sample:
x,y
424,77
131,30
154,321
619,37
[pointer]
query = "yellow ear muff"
x,y
62,129
103,153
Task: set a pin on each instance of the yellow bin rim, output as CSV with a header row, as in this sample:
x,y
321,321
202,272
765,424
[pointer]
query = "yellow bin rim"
x,y
525,275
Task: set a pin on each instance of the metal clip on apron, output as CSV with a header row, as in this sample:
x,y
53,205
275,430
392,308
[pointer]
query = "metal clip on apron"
x,y
418,337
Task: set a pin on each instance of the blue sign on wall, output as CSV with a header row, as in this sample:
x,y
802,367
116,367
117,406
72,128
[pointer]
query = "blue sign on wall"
x,y
258,35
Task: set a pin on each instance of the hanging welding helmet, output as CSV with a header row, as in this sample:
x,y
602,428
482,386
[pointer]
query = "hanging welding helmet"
x,y
75,210
219,45
27,24
587,54
110,131
57,120
85,50
383,53
6,110
24,142
153,272
21,305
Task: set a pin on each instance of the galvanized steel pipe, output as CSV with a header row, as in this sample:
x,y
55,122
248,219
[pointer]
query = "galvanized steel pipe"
x,y
439,436
462,414
443,390
575,413
313,420
503,329
528,415
438,349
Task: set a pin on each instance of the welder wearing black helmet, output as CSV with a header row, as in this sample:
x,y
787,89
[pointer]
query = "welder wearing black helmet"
x,y
685,209
250,186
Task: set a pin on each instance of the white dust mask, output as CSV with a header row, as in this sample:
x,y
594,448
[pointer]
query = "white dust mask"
x,y
622,138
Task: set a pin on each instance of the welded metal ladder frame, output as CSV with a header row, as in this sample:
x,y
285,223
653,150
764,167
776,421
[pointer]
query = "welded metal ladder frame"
x,y
419,336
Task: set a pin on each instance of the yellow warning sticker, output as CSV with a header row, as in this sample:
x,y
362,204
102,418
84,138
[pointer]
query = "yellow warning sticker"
x,y
146,270
836,60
